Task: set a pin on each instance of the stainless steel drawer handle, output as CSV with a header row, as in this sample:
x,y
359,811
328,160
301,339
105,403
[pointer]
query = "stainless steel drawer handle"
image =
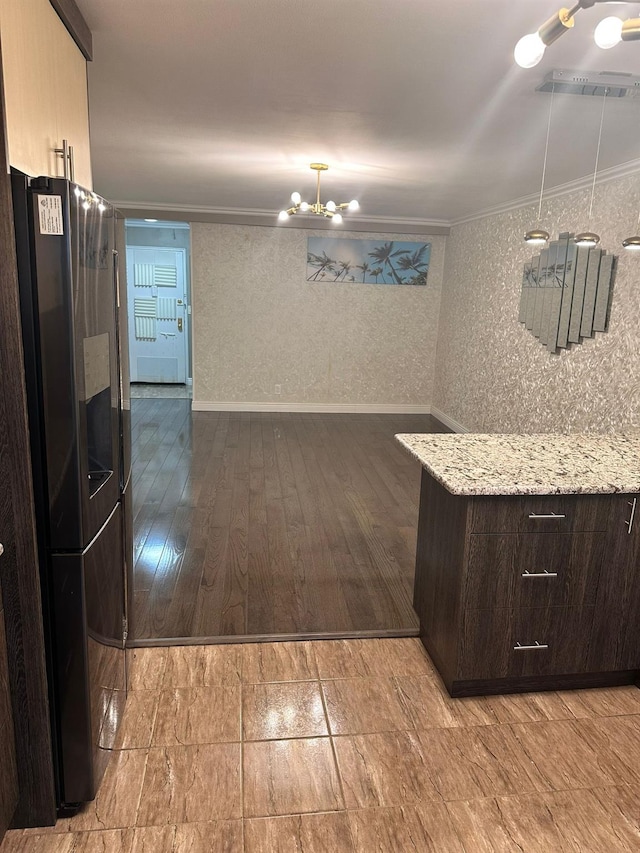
x,y
1,549
544,574
629,523
536,515
535,647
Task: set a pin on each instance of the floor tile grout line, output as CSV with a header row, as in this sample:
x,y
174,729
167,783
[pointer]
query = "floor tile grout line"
x,y
332,744
242,809
155,717
144,776
357,808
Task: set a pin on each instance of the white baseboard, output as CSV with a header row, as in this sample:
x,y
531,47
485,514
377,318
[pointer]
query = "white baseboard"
x,y
335,408
447,421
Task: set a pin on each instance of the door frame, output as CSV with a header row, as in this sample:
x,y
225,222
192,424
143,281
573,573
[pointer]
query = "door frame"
x,y
187,312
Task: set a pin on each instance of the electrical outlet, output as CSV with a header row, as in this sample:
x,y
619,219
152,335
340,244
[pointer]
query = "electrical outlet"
x,y
278,389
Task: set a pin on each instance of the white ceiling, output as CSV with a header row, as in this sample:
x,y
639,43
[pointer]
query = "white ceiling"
x,y
416,105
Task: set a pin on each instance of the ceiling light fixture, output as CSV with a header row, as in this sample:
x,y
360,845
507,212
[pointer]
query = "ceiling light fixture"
x,y
538,236
589,239
611,31
530,49
331,210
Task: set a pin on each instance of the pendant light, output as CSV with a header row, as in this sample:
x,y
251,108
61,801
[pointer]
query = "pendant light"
x,y
538,236
632,244
589,239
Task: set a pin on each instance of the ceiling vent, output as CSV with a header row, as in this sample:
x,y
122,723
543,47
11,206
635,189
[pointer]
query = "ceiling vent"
x,y
616,84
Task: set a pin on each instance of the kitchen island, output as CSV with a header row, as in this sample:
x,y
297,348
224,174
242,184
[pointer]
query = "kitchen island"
x,y
528,560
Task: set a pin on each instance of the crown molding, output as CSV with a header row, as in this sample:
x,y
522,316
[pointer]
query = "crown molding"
x,y
631,167
391,224
268,219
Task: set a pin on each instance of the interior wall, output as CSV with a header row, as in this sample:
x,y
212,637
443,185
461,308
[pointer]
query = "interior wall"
x,y
258,323
492,375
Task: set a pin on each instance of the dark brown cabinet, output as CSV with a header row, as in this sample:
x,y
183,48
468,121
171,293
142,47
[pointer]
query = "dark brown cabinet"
x,y
8,771
528,592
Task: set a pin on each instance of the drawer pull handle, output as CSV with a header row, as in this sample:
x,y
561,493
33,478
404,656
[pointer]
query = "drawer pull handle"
x,y
537,515
535,647
544,574
629,523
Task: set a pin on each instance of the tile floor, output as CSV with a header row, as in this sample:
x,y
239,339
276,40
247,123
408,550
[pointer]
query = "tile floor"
x,y
352,747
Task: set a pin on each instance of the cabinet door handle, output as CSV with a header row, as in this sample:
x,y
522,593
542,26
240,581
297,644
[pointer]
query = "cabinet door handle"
x,y
630,520
544,574
535,647
1,549
64,153
536,515
72,165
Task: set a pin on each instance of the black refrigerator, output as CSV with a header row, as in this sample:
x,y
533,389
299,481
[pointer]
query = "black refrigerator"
x,y
80,449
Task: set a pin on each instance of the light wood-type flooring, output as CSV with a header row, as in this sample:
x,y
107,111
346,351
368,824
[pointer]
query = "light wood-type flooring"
x,y
353,746
250,524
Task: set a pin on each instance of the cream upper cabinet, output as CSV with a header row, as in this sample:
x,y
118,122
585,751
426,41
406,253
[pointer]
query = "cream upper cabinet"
x,y
45,88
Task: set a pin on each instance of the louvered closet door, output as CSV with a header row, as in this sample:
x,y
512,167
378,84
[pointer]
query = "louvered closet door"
x,y
157,315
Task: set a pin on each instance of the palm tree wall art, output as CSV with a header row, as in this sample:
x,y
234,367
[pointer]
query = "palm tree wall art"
x,y
381,262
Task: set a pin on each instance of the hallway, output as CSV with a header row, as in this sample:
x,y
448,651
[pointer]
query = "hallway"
x,y
254,524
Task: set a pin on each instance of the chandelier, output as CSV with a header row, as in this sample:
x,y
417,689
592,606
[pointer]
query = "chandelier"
x,y
609,32
331,210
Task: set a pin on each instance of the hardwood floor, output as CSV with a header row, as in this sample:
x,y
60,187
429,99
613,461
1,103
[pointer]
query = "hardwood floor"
x,y
253,524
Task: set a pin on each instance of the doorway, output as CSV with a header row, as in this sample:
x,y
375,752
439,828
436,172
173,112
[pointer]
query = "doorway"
x,y
159,310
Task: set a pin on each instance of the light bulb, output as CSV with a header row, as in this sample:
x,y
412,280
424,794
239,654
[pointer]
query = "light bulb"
x,y
296,198
102,207
608,33
304,206
336,218
632,244
331,206
354,204
151,220
77,191
86,205
529,50
283,216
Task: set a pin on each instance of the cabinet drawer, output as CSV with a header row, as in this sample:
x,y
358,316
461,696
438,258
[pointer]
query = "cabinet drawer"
x,y
530,641
532,570
539,514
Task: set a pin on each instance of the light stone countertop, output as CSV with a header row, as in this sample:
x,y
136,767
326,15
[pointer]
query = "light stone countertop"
x,y
544,464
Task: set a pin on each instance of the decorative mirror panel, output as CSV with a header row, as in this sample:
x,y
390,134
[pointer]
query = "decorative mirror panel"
x,y
566,293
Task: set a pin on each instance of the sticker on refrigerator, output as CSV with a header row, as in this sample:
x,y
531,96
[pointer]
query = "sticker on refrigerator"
x,y
50,214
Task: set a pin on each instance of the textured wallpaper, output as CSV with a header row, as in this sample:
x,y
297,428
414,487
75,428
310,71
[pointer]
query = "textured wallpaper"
x,y
492,375
257,322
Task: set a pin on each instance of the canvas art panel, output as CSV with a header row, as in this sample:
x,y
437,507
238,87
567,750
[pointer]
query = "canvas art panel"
x,y
347,261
